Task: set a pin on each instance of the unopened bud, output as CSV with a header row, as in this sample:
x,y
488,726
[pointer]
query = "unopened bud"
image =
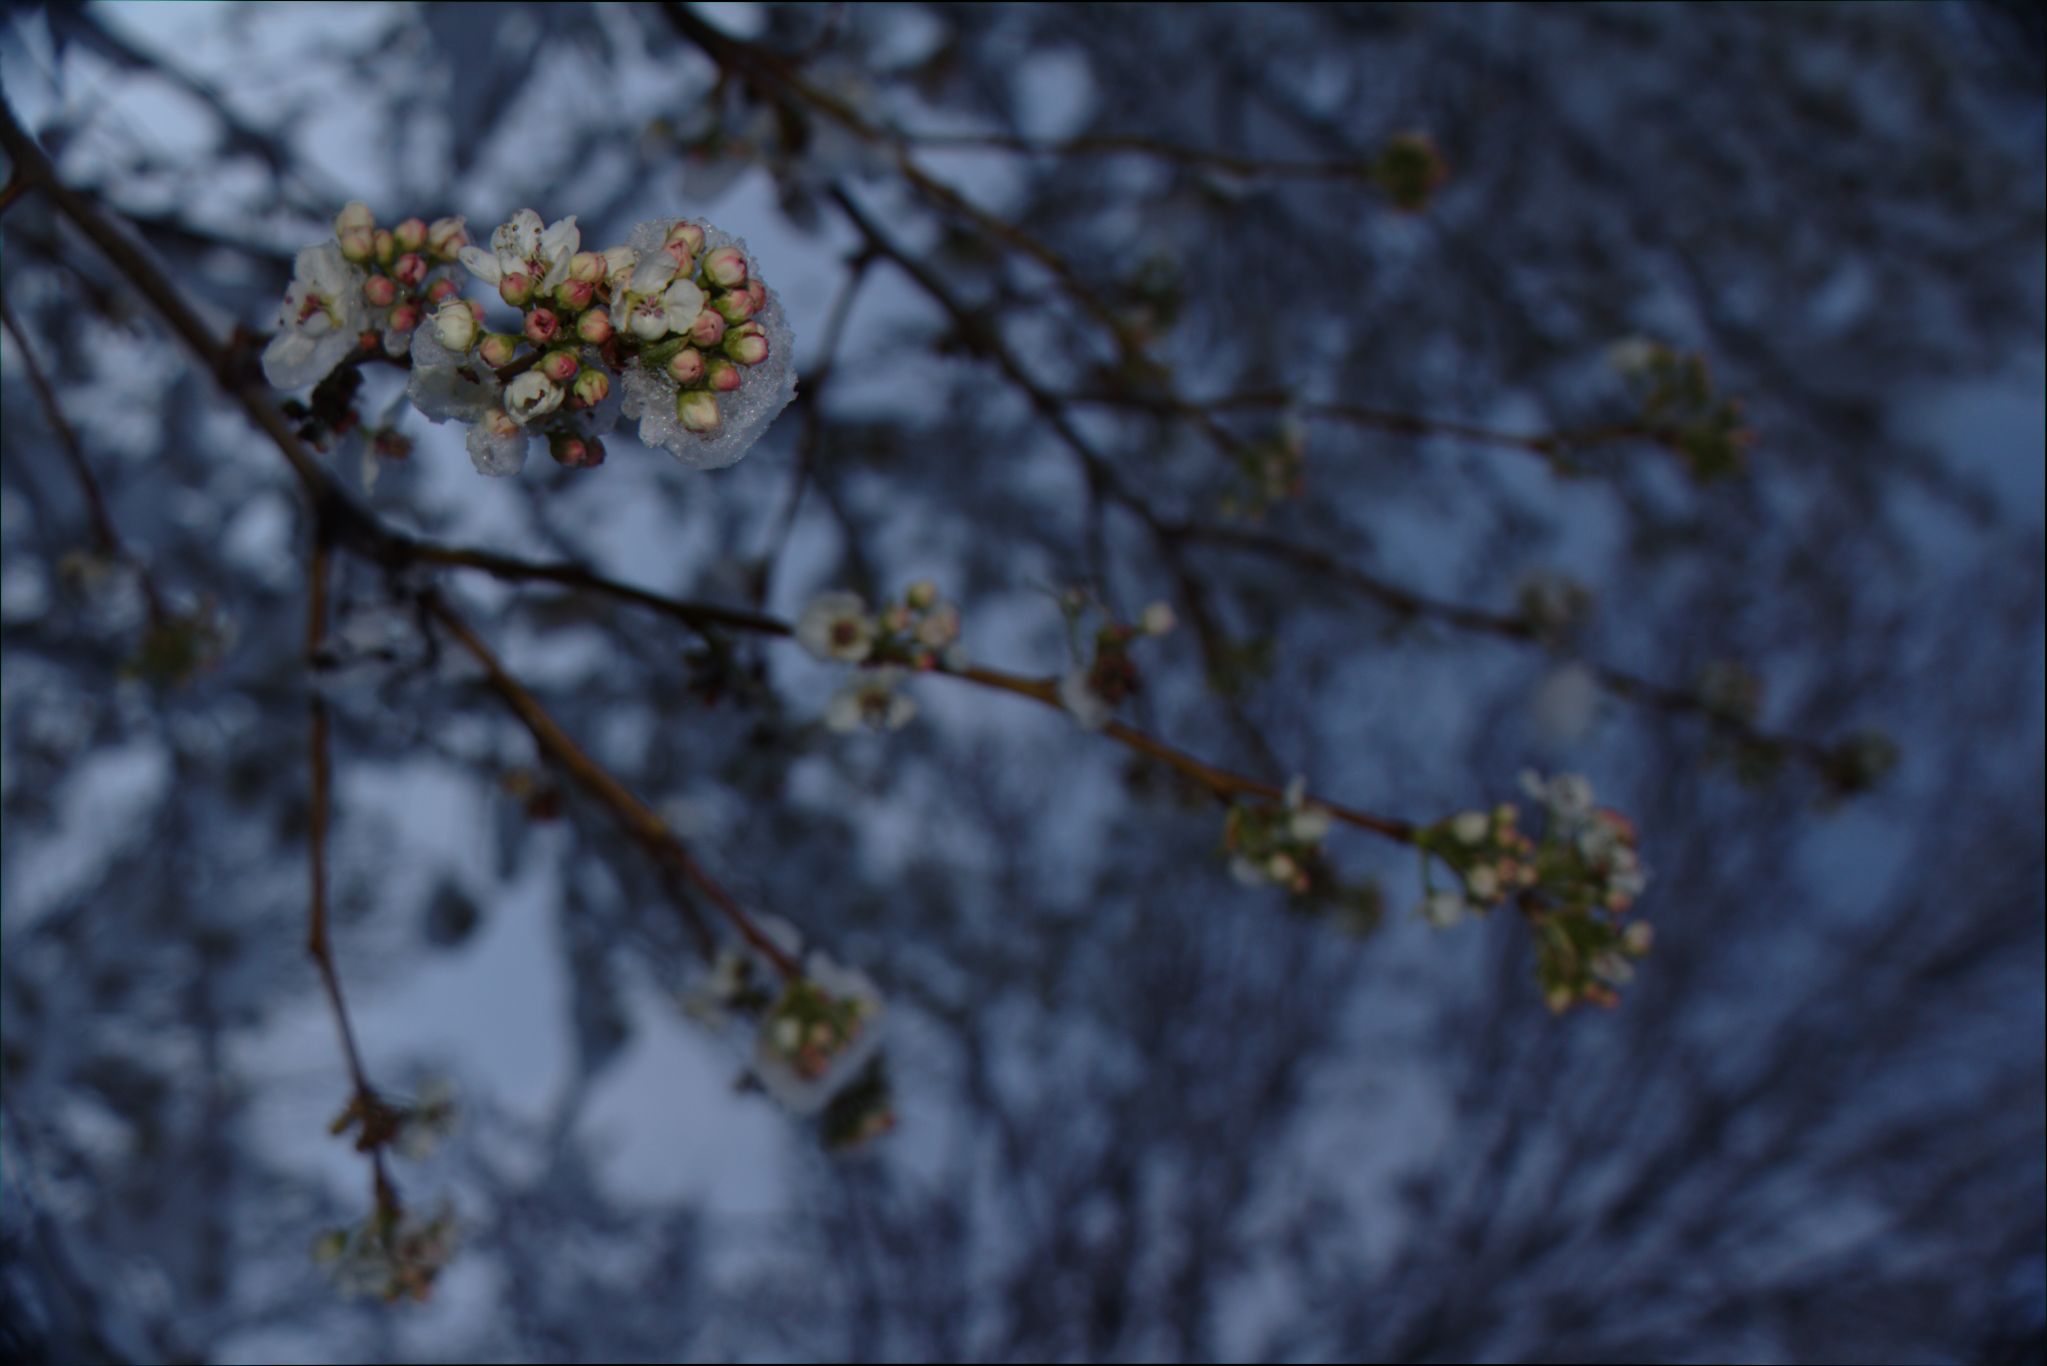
x,y
447,236
541,325
590,389
1157,619
386,245
921,594
410,269
686,366
734,306
355,216
685,261
410,235
498,349
594,327
697,410
587,266
441,290
380,290
757,292
748,348
723,375
559,366
516,289
708,329
455,325
689,234
405,317
574,295
576,452
726,267
358,245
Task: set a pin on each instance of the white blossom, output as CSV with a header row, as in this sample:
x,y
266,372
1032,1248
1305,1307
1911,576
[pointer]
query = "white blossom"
x,y
870,698
1443,909
1470,827
448,384
522,246
1306,823
532,395
320,320
836,627
775,1068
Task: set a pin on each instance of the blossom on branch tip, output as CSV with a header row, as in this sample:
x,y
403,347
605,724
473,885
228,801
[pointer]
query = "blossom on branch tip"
x,y
836,627
818,1035
871,698
523,246
320,320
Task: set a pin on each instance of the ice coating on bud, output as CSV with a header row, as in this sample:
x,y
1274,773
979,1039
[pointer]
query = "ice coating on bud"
x,y
594,327
455,325
559,366
446,383
698,412
532,395
686,366
497,444
725,267
498,349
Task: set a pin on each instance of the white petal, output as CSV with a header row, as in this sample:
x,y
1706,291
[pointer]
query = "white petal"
x,y
561,240
482,264
683,301
496,456
652,275
520,237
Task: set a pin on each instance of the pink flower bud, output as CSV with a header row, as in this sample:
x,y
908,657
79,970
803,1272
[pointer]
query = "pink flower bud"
x,y
590,389
757,292
594,327
498,349
541,325
442,290
475,310
446,237
574,295
587,266
380,290
685,262
734,306
410,269
708,329
697,410
560,366
405,317
689,234
748,348
576,452
386,245
723,375
726,267
410,235
686,366
358,245
355,216
516,289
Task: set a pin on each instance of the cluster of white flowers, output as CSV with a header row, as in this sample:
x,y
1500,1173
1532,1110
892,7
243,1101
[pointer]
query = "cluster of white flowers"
x,y
1091,690
919,633
1574,884
674,328
391,1255
1280,846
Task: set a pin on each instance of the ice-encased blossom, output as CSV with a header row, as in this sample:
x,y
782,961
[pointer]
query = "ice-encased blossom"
x,y
455,324
1078,696
650,396
320,320
523,247
803,1072
871,698
497,444
447,384
532,395
835,626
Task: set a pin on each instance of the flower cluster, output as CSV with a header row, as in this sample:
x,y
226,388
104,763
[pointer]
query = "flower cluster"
x,y
1575,884
1105,676
919,633
675,328
1279,844
391,1254
1679,406
817,1035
